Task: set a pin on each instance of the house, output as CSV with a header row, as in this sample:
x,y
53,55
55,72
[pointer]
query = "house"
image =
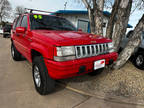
x,y
80,19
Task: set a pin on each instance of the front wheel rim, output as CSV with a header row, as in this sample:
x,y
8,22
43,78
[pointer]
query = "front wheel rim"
x,y
139,60
37,77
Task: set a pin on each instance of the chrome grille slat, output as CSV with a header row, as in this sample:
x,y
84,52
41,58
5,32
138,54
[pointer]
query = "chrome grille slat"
x,y
101,48
98,48
81,51
86,50
95,49
91,50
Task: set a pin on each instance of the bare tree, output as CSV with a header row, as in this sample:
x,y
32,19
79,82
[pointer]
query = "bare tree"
x,y
19,10
5,8
95,12
118,22
132,44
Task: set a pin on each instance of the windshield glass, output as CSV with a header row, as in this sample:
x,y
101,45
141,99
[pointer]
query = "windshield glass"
x,y
45,22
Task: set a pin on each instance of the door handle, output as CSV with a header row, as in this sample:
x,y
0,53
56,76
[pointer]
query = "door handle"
x,y
29,39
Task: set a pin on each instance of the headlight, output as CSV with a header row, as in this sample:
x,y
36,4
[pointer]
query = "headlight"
x,y
65,51
111,47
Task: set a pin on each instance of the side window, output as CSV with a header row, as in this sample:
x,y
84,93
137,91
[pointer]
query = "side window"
x,y
18,22
24,22
14,24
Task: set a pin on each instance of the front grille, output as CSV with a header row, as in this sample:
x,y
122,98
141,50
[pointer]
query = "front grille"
x,y
91,50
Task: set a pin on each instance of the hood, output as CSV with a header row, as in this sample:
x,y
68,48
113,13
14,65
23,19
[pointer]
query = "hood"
x,y
64,38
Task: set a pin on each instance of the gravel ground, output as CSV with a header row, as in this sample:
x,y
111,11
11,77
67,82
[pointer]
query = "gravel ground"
x,y
127,82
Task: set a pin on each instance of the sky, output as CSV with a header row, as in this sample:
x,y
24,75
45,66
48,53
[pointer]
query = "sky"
x,y
54,5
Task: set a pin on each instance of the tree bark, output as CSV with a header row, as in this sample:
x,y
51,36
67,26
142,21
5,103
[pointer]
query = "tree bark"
x,y
91,15
91,19
118,21
98,8
132,44
95,12
112,19
122,22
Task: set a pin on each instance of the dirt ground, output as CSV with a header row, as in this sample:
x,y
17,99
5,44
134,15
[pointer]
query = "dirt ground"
x,y
126,83
122,88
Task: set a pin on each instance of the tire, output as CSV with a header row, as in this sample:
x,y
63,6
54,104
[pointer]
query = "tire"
x,y
15,54
4,35
96,72
138,60
44,84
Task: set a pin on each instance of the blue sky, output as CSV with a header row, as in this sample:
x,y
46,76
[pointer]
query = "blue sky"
x,y
53,5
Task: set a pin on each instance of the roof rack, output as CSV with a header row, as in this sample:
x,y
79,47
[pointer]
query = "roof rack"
x,y
31,10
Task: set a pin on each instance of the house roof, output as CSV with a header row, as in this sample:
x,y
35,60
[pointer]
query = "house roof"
x,y
76,12
82,12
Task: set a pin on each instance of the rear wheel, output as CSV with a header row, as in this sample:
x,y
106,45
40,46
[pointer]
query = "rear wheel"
x,y
44,84
138,60
4,35
15,54
96,72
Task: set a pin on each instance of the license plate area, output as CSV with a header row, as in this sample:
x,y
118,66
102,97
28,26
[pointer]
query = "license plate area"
x,y
99,64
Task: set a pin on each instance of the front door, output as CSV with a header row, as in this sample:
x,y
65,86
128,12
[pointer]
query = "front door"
x,y
24,38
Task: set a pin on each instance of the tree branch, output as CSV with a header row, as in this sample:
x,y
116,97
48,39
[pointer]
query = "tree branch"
x,y
87,5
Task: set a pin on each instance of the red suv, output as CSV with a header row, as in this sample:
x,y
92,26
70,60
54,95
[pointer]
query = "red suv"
x,y
57,50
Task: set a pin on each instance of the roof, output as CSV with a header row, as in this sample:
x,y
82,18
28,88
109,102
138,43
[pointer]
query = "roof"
x,y
81,12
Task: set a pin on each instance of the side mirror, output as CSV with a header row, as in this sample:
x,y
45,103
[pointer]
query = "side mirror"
x,y
80,30
20,30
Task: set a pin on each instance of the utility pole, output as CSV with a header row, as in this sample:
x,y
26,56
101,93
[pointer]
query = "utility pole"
x,y
65,5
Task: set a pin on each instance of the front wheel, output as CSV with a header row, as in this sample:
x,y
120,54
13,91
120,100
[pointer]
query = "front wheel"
x,y
44,84
139,60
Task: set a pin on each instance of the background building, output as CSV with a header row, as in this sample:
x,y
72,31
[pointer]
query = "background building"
x,y
80,19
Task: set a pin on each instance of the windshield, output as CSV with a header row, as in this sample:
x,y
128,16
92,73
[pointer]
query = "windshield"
x,y
8,26
45,22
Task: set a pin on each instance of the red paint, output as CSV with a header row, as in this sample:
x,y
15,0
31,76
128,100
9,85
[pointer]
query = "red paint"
x,y
102,62
45,42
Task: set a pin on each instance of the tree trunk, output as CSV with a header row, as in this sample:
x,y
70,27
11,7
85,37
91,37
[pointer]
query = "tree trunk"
x,y
91,15
98,22
118,21
98,12
95,12
91,19
132,44
112,19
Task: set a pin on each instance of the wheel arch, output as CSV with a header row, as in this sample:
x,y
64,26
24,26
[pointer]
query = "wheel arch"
x,y
35,53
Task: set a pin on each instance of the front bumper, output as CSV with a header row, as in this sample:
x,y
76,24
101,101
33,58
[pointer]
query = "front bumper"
x,y
62,70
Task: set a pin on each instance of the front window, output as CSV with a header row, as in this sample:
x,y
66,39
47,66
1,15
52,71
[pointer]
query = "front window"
x,y
46,22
